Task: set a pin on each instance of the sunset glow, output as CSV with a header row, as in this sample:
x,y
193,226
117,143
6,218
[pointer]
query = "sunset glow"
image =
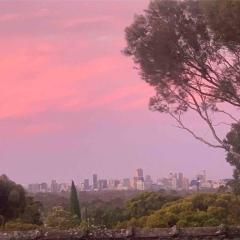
x,y
72,104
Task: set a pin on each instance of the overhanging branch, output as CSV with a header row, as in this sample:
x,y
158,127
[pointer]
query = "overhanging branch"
x,y
182,126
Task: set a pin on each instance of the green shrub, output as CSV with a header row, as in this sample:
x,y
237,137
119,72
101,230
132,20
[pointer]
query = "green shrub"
x,y
19,225
61,219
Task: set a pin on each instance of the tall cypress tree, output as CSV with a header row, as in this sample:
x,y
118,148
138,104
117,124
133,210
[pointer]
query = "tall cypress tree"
x,y
74,202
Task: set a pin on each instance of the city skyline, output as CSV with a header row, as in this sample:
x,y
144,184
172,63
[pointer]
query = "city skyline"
x,y
72,104
94,177
139,181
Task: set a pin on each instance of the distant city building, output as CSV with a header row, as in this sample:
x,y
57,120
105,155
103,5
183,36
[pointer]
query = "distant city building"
x,y
64,187
194,184
86,185
102,184
165,183
125,184
175,181
134,182
148,182
140,185
95,182
138,179
185,185
54,186
202,179
113,184
43,187
139,174
180,181
34,187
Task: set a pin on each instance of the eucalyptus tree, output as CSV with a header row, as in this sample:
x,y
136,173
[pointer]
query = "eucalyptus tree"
x,y
189,51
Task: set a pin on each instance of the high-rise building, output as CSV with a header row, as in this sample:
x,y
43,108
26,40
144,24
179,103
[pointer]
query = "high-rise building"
x,y
138,179
95,182
54,186
173,181
126,183
165,183
139,174
134,182
113,184
202,179
140,185
148,182
102,184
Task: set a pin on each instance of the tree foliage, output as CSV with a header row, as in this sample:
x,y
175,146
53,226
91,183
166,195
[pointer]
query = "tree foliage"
x,y
189,51
146,203
16,206
193,211
12,199
61,219
33,212
74,202
233,139
224,19
118,212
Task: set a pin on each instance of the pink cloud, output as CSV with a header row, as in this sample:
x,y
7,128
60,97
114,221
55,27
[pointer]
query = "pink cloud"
x,y
34,81
64,72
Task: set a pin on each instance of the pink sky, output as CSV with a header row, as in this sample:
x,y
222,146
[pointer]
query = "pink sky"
x,y
71,104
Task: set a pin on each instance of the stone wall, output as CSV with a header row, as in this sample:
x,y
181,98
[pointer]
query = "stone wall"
x,y
216,233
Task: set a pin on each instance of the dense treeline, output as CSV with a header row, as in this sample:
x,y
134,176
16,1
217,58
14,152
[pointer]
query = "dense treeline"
x,y
50,200
153,209
112,213
193,211
116,211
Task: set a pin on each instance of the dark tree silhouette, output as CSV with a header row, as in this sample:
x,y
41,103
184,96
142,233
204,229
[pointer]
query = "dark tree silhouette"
x,y
74,202
14,204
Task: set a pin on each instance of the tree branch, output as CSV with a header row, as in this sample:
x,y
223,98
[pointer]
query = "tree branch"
x,y
182,126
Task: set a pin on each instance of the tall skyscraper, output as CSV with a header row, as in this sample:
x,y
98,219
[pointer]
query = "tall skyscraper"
x,y
138,179
139,174
95,181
